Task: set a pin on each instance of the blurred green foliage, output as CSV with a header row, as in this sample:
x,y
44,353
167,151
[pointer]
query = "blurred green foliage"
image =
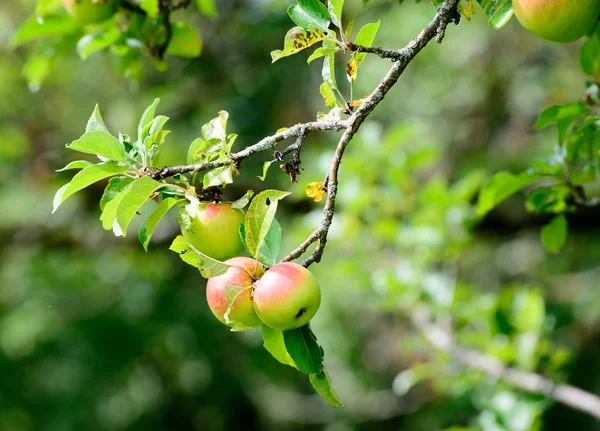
x,y
96,333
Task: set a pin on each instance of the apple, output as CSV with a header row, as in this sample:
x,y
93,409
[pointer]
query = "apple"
x,y
243,272
90,11
287,296
561,21
213,229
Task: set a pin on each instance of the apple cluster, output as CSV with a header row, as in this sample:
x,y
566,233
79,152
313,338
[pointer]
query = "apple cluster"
x,y
285,296
560,21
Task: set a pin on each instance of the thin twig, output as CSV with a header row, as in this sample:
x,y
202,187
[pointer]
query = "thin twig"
x,y
265,144
435,29
392,54
527,381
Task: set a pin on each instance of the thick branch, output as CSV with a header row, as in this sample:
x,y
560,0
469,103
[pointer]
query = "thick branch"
x,y
527,381
435,29
265,144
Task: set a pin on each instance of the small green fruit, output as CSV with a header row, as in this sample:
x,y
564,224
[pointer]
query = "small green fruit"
x,y
213,229
560,21
90,11
242,273
287,296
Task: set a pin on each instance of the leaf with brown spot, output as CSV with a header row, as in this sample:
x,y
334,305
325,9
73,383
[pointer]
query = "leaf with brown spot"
x,y
296,40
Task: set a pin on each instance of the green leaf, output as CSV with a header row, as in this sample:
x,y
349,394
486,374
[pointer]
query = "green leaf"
x,y
365,37
149,6
349,28
78,164
328,71
296,40
149,226
554,234
181,247
216,128
328,94
207,7
500,187
85,177
322,384
335,12
243,201
101,144
310,13
218,177
259,218
115,186
242,232
589,55
554,114
502,16
42,27
185,41
194,147
208,266
266,167
91,43
146,118
274,344
96,123
46,7
136,196
270,247
321,52
232,293
548,199
152,132
109,213
302,346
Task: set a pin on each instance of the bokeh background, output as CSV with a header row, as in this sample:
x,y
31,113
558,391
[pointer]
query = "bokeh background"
x,y
97,334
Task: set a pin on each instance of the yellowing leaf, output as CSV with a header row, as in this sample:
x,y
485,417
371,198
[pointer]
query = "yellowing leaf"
x,y
315,191
296,40
328,94
356,103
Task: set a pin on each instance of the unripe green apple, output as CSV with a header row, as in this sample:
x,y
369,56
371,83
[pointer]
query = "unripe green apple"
x,y
243,272
561,21
213,229
287,296
90,11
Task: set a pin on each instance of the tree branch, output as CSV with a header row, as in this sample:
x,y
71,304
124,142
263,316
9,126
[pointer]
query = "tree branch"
x,y
435,29
265,144
182,4
526,381
392,54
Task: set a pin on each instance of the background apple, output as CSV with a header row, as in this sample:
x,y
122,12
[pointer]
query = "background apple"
x,y
244,272
558,20
287,296
90,11
213,229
